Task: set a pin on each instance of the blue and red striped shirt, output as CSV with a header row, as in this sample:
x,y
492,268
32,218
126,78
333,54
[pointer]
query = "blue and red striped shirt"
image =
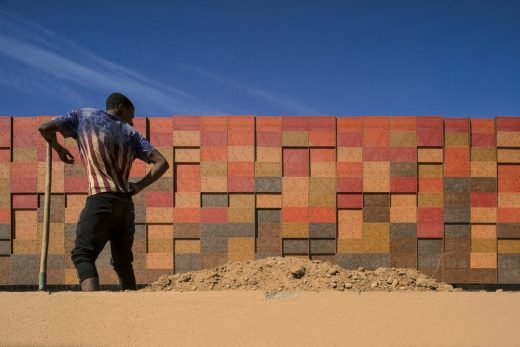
x,y
107,146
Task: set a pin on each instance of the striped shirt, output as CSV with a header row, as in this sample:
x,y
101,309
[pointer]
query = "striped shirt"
x,y
107,146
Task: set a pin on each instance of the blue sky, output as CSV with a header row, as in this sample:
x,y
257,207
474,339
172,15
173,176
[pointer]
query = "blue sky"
x,y
451,58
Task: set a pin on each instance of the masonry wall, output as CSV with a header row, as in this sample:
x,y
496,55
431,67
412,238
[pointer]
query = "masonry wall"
x,y
438,194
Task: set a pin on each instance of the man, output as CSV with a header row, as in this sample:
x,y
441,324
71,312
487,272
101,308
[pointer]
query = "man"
x,y
107,145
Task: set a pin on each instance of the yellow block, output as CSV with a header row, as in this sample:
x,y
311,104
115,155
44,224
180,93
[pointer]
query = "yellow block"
x,y
456,140
430,170
25,155
241,245
508,246
508,139
241,200
403,139
159,231
506,155
187,155
241,153
295,138
376,237
160,246
322,200
273,169
430,155
350,154
483,231
483,154
483,245
187,246
269,154
268,200
483,169
322,184
186,138
213,169
241,215
350,246
483,215
71,276
297,230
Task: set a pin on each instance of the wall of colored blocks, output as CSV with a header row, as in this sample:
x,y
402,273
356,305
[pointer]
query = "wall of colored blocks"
x,y
438,194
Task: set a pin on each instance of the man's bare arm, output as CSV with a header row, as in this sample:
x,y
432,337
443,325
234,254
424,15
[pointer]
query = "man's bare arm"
x,y
158,169
48,130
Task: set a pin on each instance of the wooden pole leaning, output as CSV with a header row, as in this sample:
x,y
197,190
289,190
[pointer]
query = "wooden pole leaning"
x,y
42,279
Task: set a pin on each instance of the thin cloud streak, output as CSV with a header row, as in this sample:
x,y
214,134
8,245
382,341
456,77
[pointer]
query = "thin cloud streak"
x,y
66,63
269,95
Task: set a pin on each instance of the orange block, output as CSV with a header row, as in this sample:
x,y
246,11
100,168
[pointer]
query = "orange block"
x,y
268,200
268,154
159,261
187,246
295,214
350,154
159,231
350,224
213,184
269,124
159,215
483,260
186,215
322,215
483,231
187,155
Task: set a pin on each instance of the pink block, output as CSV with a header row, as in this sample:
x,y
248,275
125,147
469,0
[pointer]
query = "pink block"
x,y
403,184
25,201
213,215
403,154
241,184
24,184
76,184
350,201
430,214
158,199
349,184
268,139
349,139
430,230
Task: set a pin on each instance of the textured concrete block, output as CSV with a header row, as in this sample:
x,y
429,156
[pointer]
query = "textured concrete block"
x,y
293,246
405,245
403,169
457,215
25,269
323,246
213,245
5,231
187,262
322,230
214,200
376,200
268,184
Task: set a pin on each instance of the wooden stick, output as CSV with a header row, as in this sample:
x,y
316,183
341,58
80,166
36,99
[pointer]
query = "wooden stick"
x,y
42,280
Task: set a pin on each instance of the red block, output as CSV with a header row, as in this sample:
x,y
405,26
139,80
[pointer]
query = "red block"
x,y
76,184
186,215
508,123
213,123
140,125
376,154
349,184
323,155
430,230
161,124
430,185
158,199
25,201
5,124
429,122
213,154
241,122
457,169
349,139
376,137
349,169
213,138
322,138
456,154
138,169
350,124
430,214
295,155
350,201
24,184
25,138
5,155
5,216
402,123
403,184
24,169
161,139
295,214
241,137
268,124
213,215
296,169
322,215
241,168
430,137
322,123
5,139
482,126
483,140
295,123
508,183
403,154
186,123
241,184
456,125
483,199
268,139
508,215
371,122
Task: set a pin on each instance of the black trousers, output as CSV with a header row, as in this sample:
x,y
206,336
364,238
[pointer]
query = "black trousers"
x,y
107,216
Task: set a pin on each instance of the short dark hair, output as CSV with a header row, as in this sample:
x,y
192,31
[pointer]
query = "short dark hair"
x,y
115,99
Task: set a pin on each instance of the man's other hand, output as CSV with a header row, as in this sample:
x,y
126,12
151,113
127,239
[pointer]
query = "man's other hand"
x,y
65,155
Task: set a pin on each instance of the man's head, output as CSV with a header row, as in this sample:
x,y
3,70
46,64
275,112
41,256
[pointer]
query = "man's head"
x,y
121,106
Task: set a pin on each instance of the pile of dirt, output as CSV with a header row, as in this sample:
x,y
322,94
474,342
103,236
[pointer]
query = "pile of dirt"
x,y
293,274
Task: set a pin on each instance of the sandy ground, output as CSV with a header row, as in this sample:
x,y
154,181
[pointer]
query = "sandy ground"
x,y
251,318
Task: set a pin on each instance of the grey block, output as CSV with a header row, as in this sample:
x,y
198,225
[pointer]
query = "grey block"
x,y
214,200
212,230
508,230
295,246
140,232
376,214
403,169
55,261
349,260
213,245
429,261
268,184
483,184
322,230
186,230
5,231
5,247
456,260
508,261
374,260
376,200
403,245
25,269
140,215
399,230
456,184
240,230
457,215
430,246
509,276
268,216
186,262
70,231
457,231
323,246
406,260
456,199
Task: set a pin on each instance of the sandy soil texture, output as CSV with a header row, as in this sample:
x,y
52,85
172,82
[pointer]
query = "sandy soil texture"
x,y
254,318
